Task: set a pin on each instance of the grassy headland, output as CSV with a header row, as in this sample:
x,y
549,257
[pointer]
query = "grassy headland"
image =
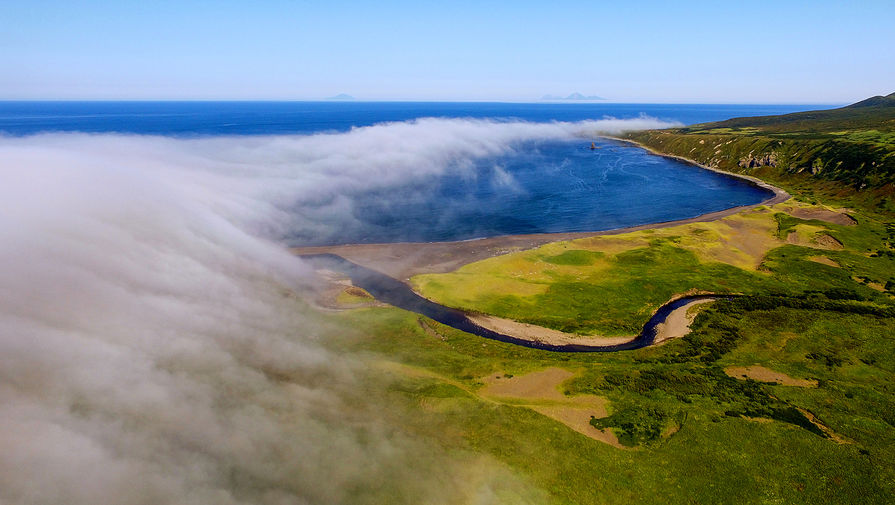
x,y
843,156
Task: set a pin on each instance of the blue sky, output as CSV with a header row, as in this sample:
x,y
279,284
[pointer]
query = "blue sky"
x,y
634,51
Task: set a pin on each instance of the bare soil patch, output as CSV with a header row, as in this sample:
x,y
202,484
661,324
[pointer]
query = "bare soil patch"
x,y
578,418
760,373
743,243
821,214
823,260
542,388
839,439
819,241
542,385
827,241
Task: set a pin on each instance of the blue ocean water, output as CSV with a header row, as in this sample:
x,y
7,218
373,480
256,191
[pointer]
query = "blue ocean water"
x,y
264,118
536,187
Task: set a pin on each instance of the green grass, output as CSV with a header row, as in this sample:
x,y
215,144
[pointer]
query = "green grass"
x,y
715,456
613,297
576,288
696,435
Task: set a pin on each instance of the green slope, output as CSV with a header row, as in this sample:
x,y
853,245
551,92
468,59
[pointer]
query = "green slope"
x,y
876,113
846,155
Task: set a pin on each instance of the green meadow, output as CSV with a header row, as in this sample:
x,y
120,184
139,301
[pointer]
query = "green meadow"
x,y
691,432
610,285
783,394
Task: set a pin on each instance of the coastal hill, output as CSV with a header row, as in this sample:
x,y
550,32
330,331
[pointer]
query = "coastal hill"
x,y
876,113
847,153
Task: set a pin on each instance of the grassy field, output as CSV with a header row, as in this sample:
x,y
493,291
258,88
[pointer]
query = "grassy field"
x,y
696,434
610,285
817,319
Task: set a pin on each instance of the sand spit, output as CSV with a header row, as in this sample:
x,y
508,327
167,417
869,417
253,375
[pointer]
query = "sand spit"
x,y
676,325
678,322
541,334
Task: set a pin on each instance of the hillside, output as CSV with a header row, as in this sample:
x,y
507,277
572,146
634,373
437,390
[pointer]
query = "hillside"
x,y
846,153
876,113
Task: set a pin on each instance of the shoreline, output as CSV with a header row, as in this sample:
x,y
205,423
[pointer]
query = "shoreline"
x,y
780,195
403,260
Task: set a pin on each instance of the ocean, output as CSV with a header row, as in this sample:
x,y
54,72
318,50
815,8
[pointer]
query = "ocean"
x,y
284,118
368,172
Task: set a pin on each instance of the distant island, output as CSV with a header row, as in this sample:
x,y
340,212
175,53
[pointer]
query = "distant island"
x,y
573,96
341,96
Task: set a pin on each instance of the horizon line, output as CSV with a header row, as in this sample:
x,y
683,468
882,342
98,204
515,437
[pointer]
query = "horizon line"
x,y
359,100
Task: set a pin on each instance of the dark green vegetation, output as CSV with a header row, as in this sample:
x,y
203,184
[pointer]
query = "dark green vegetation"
x,y
817,306
696,433
701,435
844,155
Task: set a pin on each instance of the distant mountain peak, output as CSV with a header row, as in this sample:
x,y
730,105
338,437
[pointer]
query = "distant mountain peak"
x,y
573,96
341,96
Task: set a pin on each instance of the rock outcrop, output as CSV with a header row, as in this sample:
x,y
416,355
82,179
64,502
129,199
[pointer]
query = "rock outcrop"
x,y
767,160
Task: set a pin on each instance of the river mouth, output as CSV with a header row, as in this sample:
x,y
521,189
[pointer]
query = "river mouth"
x,y
396,293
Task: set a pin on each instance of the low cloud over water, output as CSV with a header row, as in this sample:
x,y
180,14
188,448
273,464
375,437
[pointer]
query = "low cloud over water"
x,y
149,351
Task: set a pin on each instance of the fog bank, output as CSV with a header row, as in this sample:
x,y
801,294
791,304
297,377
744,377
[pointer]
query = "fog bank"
x,y
152,346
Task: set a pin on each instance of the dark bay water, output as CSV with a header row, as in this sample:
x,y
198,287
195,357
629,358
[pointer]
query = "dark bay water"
x,y
546,187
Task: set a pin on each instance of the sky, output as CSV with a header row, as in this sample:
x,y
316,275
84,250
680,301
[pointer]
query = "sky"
x,y
635,51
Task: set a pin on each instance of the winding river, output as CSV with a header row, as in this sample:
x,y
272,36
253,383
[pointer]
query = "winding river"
x,y
394,292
